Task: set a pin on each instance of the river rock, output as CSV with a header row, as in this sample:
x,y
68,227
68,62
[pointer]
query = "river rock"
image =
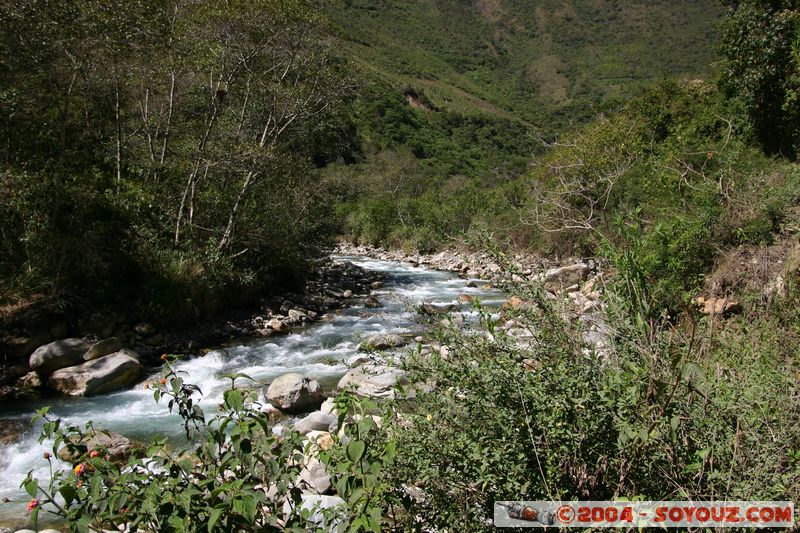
x,y
328,407
31,380
316,476
374,381
59,354
316,421
382,341
102,348
434,309
296,316
117,447
11,430
518,304
557,279
372,303
295,393
322,440
99,376
277,326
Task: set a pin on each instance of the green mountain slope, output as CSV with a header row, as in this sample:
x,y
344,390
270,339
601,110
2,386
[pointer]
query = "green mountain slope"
x,y
545,62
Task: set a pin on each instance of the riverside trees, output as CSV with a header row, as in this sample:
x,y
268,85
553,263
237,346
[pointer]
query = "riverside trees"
x,y
169,142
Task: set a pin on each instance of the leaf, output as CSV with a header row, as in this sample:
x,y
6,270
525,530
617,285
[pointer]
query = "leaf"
x,y
355,450
68,492
234,400
213,518
31,487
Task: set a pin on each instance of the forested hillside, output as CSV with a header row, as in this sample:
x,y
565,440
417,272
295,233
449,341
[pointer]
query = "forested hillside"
x,y
461,95
549,63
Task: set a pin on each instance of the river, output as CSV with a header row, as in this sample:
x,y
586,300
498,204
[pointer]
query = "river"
x,y
319,350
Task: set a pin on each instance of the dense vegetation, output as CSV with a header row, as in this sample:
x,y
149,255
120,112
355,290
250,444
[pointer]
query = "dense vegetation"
x,y
161,157
464,91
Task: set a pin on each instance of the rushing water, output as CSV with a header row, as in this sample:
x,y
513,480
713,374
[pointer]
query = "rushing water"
x,y
319,350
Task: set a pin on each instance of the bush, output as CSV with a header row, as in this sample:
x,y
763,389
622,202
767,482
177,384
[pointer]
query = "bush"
x,y
235,474
664,416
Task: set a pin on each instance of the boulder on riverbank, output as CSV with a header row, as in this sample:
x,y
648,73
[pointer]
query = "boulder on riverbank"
x,y
382,341
558,279
373,381
56,355
102,348
435,309
114,446
99,376
316,421
295,393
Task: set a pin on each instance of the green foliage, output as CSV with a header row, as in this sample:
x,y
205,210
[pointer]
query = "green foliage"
x,y
358,464
547,64
761,45
217,484
162,157
664,416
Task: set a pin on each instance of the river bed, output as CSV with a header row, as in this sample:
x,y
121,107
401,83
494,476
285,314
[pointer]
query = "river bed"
x,y
319,350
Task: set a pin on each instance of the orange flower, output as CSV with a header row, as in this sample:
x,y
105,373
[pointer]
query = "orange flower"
x,y
94,453
163,381
33,504
164,357
79,469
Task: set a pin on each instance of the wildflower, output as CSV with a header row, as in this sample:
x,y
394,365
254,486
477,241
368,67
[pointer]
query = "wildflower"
x,y
164,357
94,453
163,381
79,469
429,417
33,504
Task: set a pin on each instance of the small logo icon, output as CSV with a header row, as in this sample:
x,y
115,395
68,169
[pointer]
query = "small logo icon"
x,y
526,513
566,514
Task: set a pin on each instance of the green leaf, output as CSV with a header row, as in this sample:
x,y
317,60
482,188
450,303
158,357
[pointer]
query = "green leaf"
x,y
31,487
69,493
355,450
213,518
234,400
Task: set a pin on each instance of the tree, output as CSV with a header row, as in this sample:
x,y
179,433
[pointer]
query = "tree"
x,y
761,46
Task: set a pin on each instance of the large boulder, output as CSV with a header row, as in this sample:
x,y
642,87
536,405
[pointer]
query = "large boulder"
x,y
558,279
102,348
99,376
59,354
113,446
374,381
295,393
